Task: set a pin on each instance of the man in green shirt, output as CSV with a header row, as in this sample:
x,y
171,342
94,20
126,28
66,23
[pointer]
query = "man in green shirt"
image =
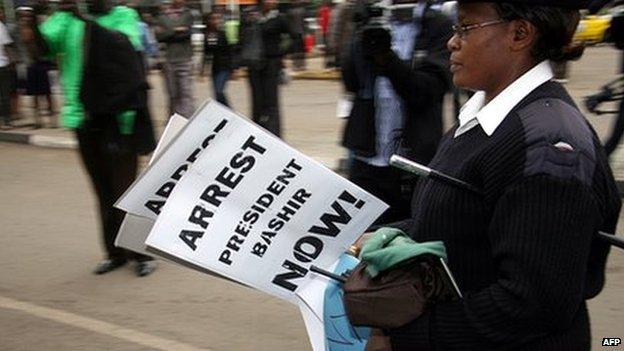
x,y
111,169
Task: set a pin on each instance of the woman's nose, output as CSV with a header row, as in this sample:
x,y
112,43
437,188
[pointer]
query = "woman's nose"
x,y
453,43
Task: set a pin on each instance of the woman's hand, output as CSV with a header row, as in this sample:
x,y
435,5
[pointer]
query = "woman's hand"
x,y
361,241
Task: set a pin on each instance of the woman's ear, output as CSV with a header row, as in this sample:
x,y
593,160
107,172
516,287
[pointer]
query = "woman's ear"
x,y
523,35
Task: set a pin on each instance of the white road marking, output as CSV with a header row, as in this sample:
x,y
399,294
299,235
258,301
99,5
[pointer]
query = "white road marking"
x,y
97,326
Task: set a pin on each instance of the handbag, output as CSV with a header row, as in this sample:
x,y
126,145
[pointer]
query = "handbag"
x,y
398,295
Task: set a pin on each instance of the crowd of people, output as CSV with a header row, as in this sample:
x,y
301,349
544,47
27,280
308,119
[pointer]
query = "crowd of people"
x,y
103,56
230,41
522,247
22,72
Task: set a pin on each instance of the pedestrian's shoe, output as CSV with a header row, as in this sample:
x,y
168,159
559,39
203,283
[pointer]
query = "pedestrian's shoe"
x,y
108,265
145,268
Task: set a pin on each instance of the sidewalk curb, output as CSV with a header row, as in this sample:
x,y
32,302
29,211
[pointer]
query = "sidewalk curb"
x,y
71,143
316,75
56,142
330,75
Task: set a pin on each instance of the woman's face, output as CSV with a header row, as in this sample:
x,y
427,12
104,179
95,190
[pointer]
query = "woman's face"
x,y
479,57
214,21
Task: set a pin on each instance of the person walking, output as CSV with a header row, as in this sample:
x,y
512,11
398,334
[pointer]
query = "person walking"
x,y
37,82
218,50
148,40
174,29
262,53
106,141
398,102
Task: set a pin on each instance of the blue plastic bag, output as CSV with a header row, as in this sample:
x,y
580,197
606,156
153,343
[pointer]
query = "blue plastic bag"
x,y
340,335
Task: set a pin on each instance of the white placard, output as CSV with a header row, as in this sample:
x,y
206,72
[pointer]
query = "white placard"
x,y
259,212
150,191
134,229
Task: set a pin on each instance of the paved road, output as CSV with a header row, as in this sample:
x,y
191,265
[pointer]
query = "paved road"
x,y
49,300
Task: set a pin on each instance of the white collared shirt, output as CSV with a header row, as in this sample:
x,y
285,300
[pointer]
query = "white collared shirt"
x,y
490,116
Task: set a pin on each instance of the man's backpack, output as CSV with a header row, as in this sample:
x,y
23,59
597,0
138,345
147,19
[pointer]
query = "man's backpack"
x,y
114,81
113,74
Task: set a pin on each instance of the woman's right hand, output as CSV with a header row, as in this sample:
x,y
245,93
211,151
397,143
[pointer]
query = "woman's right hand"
x,y
361,241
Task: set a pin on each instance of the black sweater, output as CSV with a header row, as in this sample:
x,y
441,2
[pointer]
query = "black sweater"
x,y
524,253
272,30
219,51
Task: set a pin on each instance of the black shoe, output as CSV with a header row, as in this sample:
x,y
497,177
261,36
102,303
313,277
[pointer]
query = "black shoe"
x,y
145,268
106,266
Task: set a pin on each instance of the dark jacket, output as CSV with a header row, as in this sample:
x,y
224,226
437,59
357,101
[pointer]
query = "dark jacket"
x,y
421,84
114,81
220,52
179,48
272,30
113,74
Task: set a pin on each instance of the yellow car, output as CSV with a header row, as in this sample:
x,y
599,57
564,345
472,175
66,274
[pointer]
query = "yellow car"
x,y
593,29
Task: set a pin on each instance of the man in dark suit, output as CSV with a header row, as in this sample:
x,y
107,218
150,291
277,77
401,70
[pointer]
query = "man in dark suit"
x,y
399,81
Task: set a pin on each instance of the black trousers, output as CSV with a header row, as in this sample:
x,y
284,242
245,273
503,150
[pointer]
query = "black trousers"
x,y
264,83
111,172
5,94
387,184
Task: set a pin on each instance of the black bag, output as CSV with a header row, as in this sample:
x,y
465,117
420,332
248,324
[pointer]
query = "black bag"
x,y
114,81
397,296
359,133
113,72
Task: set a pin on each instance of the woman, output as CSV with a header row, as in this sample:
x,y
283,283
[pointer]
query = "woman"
x,y
37,80
217,47
523,252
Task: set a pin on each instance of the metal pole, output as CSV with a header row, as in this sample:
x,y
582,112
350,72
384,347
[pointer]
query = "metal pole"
x,y
611,239
424,171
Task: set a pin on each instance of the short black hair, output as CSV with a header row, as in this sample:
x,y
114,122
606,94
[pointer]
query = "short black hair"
x,y
555,27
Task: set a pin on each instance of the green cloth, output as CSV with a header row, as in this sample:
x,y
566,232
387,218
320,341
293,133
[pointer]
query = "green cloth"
x,y
125,20
389,247
231,28
64,34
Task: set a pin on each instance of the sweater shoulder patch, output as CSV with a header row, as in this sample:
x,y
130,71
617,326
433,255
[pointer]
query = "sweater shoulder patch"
x,y
559,140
